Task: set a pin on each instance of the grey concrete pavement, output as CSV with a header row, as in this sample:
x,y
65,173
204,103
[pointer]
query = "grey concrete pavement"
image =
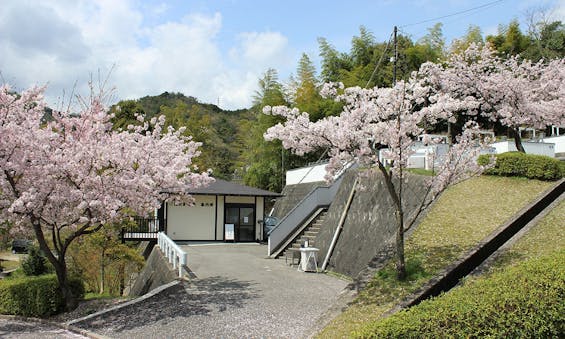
x,y
238,293
14,328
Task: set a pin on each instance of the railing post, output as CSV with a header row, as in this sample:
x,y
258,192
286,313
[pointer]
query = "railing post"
x,y
175,255
184,258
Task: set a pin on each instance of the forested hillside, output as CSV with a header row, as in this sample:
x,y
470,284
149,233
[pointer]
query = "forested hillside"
x,y
215,128
233,144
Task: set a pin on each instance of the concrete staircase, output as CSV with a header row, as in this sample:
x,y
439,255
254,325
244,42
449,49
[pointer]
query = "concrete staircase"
x,y
310,233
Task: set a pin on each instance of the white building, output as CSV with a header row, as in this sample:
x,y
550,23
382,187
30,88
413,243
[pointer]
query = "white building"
x,y
223,211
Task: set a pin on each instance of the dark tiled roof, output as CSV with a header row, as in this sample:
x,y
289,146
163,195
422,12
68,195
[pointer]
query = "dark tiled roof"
x,y
223,187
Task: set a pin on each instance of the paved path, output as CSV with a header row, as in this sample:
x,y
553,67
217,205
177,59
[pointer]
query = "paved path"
x,y
20,329
238,293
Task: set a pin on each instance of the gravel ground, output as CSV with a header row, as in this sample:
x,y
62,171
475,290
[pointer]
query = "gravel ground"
x,y
238,293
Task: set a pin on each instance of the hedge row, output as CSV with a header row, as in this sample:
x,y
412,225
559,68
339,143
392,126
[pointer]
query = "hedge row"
x,y
35,296
525,301
519,164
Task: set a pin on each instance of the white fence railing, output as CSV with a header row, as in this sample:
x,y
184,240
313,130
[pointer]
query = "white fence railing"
x,y
176,256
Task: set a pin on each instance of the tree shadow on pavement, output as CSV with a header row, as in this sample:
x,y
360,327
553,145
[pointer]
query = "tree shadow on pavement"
x,y
12,328
196,298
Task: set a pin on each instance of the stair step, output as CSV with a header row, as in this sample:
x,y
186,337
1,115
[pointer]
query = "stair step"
x,y
310,233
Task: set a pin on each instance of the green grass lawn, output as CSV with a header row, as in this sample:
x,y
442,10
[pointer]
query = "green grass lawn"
x,y
544,238
527,276
463,216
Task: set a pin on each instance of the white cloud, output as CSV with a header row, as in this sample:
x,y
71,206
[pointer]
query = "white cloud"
x,y
259,48
63,42
558,12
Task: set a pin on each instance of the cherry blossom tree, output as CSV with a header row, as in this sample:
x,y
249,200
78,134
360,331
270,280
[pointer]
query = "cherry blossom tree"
x,y
514,92
72,175
379,128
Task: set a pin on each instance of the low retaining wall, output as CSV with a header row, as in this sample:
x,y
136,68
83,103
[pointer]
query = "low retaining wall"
x,y
157,272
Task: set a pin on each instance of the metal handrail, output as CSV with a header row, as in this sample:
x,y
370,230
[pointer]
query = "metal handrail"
x,y
176,256
318,197
146,225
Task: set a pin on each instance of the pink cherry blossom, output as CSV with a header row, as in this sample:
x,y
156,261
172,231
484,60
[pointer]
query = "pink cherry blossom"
x,y
73,174
387,121
515,92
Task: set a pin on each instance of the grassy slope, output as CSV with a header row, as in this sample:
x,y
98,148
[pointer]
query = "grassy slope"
x,y
464,215
543,239
522,301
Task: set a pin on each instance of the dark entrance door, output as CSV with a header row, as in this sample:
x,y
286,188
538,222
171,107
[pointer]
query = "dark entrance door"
x,y
243,218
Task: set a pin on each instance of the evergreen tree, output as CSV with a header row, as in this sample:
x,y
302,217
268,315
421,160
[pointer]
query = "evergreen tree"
x,y
473,35
334,63
547,41
510,40
262,160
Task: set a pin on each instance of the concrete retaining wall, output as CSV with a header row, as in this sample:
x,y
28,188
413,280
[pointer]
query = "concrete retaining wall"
x,y
157,272
369,227
292,194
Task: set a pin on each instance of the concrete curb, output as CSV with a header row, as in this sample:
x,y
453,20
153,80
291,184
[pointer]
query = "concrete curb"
x,y
63,326
126,304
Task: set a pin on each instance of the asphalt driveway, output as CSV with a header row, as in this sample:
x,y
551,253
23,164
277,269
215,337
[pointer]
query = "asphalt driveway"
x,y
237,293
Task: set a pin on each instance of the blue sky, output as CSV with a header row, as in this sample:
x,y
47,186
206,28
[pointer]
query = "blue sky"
x,y
214,50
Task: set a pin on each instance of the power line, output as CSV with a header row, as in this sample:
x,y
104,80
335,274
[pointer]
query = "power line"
x,y
477,8
490,4
380,60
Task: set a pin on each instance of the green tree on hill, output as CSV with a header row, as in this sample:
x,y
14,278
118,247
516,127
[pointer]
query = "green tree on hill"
x,y
262,160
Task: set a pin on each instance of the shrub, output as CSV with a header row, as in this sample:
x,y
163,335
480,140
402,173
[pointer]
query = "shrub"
x,y
35,263
519,164
524,301
35,296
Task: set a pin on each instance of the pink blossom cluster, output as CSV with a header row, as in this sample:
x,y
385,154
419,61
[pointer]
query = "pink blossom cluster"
x,y
377,118
74,171
513,91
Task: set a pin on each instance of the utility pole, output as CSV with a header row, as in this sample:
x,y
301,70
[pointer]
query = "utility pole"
x,y
283,175
395,58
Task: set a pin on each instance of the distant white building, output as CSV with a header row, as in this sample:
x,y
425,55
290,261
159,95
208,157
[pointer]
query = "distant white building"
x,y
304,175
531,147
559,142
312,173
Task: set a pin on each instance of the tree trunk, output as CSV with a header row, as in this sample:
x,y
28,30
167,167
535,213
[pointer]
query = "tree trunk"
x,y
518,140
399,215
58,263
122,277
71,301
102,272
400,262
